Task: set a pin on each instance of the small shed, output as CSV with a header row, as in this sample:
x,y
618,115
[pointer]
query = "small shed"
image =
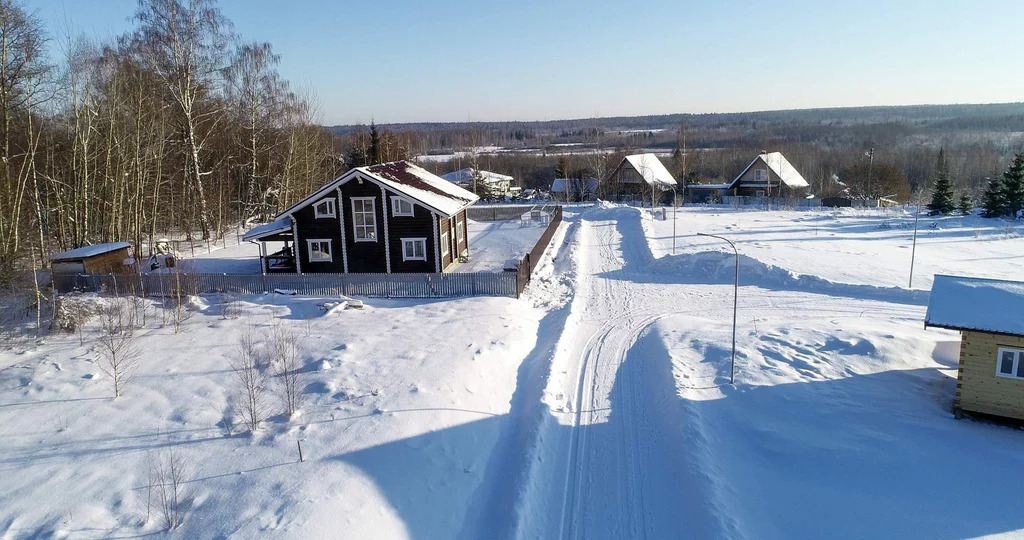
x,y
96,259
989,313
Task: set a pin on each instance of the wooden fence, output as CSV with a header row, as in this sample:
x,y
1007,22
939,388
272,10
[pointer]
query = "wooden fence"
x,y
373,285
526,266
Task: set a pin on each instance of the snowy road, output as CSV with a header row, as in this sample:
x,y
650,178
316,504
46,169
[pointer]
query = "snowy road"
x,y
617,433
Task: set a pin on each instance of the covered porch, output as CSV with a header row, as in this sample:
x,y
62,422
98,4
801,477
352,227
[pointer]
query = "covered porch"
x,y
281,261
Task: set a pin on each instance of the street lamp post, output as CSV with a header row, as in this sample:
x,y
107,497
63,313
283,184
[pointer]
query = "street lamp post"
x,y
871,161
913,249
675,210
735,302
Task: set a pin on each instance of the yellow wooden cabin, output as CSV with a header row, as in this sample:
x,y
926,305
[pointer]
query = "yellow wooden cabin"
x,y
989,313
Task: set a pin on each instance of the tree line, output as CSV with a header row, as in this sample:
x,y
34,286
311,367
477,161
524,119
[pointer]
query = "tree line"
x,y
176,127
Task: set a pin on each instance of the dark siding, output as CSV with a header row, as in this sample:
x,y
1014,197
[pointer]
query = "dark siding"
x,y
310,227
363,256
463,246
419,225
444,224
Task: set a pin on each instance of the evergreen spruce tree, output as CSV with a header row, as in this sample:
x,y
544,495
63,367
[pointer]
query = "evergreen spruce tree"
x,y
992,201
966,204
942,191
374,156
1013,187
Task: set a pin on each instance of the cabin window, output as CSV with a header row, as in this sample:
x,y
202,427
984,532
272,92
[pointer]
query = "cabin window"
x,y
760,193
364,219
414,249
401,207
445,241
760,175
460,233
1010,363
325,208
319,250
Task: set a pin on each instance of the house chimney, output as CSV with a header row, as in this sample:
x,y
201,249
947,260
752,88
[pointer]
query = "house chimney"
x,y
763,152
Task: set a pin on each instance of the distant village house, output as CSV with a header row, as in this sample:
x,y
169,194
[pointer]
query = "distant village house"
x,y
643,177
989,314
488,183
391,217
770,174
574,189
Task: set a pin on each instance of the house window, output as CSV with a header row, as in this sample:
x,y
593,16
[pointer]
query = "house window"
x,y
460,231
401,207
760,193
325,208
760,175
364,219
1010,363
445,240
414,249
319,250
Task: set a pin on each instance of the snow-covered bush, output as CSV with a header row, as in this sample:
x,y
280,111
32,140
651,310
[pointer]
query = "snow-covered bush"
x,y
72,311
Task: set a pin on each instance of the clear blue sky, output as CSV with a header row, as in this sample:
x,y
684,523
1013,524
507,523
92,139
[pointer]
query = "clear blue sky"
x,y
531,60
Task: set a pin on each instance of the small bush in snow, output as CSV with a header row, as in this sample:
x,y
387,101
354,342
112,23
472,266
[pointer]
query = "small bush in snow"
x,y
251,380
286,356
169,476
117,343
71,312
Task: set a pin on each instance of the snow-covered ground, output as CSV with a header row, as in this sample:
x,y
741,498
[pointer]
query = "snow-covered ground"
x,y
402,403
597,406
859,246
496,245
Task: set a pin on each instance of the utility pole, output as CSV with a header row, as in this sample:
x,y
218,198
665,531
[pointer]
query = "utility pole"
x,y
735,302
675,210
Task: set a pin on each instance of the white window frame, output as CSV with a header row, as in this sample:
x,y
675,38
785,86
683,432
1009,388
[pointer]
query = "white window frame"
x,y
396,203
760,193
372,212
330,249
760,175
460,232
1018,357
412,242
446,241
330,212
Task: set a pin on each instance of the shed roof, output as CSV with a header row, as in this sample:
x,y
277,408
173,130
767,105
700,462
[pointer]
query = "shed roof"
x,y
86,252
466,175
980,304
652,170
780,166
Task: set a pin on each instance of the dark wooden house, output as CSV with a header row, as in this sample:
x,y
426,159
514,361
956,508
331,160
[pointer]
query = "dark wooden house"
x,y
641,176
391,217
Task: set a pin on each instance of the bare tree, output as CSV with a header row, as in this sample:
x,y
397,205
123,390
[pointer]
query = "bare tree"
x,y
184,42
117,342
169,478
250,378
286,357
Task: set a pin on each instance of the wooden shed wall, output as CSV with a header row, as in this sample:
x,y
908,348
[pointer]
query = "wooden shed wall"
x,y
978,387
111,262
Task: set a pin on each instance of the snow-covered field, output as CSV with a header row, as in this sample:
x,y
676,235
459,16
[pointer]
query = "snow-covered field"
x,y
597,406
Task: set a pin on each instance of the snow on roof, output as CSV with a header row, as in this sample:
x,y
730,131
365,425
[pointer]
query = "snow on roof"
x,y
422,185
279,225
987,305
652,170
558,185
85,252
466,175
410,180
781,167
